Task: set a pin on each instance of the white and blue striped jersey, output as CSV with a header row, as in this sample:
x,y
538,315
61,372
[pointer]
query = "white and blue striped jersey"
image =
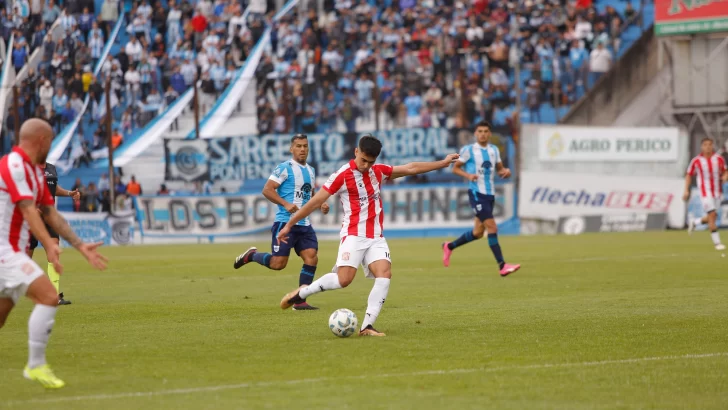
x,y
296,186
481,161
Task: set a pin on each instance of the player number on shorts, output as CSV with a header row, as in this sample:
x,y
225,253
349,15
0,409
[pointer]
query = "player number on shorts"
x,y
386,255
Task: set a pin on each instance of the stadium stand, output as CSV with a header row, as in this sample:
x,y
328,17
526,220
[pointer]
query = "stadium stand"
x,y
413,60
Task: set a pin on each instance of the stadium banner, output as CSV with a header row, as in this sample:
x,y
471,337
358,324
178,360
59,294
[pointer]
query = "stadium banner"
x,y
553,195
101,227
677,17
253,157
573,144
575,225
411,210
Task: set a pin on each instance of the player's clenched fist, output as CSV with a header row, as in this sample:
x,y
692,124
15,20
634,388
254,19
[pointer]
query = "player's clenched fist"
x,y
291,208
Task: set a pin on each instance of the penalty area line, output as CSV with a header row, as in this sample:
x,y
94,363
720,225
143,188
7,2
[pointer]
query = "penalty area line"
x,y
207,389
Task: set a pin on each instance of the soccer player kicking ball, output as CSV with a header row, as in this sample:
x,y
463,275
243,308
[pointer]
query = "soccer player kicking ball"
x,y
358,185
23,191
711,171
479,161
290,187
51,177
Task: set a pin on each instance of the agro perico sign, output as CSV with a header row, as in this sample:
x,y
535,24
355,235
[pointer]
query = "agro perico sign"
x,y
675,17
574,144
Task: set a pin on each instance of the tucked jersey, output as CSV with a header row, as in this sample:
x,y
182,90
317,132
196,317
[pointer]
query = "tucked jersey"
x,y
708,172
296,187
481,161
19,180
361,198
51,176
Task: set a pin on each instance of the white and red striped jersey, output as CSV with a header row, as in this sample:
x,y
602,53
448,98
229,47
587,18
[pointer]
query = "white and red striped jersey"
x,y
19,180
708,172
361,198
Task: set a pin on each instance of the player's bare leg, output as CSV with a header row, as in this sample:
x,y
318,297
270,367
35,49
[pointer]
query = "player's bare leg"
x,y
693,223
382,271
308,271
6,306
713,226
505,268
447,247
330,281
40,324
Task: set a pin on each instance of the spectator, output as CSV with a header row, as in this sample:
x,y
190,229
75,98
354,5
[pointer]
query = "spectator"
x,y
413,102
45,94
103,184
119,187
116,140
90,198
133,188
163,190
600,61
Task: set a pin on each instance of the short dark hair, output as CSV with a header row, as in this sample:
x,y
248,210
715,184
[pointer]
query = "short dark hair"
x,y
482,124
298,137
706,139
369,145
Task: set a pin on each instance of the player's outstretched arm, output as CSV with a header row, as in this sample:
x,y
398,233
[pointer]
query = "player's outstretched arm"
x,y
415,168
88,250
313,204
37,227
64,192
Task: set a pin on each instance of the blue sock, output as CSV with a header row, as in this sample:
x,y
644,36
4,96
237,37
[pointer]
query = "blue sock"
x,y
307,274
462,240
262,258
495,248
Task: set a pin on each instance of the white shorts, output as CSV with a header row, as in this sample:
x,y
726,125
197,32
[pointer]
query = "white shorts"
x,y
355,251
710,204
17,272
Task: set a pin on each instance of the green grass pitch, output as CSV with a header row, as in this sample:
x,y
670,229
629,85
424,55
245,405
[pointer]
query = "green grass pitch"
x,y
610,321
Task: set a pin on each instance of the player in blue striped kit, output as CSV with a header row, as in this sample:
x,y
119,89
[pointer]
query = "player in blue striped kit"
x,y
481,161
290,187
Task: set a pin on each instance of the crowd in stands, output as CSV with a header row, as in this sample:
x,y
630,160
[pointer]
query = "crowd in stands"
x,y
162,49
426,63
96,196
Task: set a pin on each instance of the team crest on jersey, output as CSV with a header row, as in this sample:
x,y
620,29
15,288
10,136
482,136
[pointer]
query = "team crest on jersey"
x,y
345,256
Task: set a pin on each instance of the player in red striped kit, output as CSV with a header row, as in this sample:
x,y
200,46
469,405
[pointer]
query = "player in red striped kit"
x,y
358,185
24,196
710,170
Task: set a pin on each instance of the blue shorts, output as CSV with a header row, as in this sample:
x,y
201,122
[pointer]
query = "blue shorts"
x,y
300,239
482,205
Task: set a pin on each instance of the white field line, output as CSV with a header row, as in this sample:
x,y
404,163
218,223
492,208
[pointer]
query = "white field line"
x,y
207,389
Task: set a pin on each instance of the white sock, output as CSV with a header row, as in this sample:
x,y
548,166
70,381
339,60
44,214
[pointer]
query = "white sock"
x,y
698,221
715,236
40,325
376,300
329,281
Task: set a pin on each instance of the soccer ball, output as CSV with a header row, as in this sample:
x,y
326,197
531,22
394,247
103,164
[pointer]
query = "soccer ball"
x,y
343,323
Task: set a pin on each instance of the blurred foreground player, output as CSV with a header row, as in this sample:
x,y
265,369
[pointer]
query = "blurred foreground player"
x,y
481,161
23,192
358,185
710,170
290,187
51,177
